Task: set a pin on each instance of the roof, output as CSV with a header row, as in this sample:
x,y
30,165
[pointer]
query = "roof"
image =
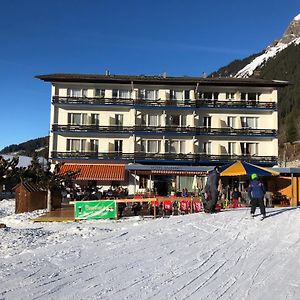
x,y
174,170
103,172
287,170
167,80
31,187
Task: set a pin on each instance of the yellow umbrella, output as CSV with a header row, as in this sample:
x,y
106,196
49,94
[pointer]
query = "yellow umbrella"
x,y
241,168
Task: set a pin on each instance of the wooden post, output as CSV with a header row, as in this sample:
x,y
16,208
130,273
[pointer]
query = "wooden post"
x,y
49,200
134,182
191,205
292,179
154,210
117,212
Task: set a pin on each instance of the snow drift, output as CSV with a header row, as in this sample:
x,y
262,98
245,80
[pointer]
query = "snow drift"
x,y
199,256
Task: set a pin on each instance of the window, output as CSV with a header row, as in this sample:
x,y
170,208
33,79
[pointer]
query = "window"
x,y
75,92
150,146
250,96
176,120
153,146
121,94
230,95
94,145
208,95
176,95
76,145
205,148
249,122
148,94
231,148
253,96
119,146
84,92
231,122
118,120
153,120
143,181
150,120
249,148
172,146
186,94
77,119
100,93
207,122
94,119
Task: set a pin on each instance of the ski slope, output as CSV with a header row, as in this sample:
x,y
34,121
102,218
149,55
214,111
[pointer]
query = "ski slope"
x,y
200,256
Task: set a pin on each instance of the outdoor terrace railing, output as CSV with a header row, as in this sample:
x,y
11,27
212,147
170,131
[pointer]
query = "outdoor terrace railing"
x,y
141,156
198,103
164,129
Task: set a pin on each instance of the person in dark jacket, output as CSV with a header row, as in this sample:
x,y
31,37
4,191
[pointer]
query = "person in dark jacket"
x,y
256,192
211,190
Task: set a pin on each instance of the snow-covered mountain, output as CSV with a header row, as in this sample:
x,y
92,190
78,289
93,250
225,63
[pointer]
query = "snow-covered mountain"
x,y
290,36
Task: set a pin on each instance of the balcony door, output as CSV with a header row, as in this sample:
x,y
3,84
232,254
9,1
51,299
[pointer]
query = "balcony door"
x,y
249,122
76,145
207,122
119,120
77,119
118,146
249,149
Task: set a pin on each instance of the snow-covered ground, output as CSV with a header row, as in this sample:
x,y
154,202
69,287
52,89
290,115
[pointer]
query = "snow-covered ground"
x,y
199,256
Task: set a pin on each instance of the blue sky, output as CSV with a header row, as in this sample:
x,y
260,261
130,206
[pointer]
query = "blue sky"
x,y
127,37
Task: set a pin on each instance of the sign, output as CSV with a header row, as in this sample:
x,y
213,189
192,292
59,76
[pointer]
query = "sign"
x,y
98,209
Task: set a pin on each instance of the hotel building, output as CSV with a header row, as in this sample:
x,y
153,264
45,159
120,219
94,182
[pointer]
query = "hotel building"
x,y
160,130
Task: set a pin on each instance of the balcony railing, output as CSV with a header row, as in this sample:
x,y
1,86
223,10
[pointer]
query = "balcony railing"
x,y
199,103
164,130
163,157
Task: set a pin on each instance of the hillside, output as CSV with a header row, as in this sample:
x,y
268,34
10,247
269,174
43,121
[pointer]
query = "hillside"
x,y
39,145
234,67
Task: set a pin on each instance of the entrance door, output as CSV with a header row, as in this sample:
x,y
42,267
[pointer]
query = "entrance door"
x,y
162,184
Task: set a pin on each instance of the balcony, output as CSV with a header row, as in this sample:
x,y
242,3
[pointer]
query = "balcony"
x,y
199,103
197,131
140,157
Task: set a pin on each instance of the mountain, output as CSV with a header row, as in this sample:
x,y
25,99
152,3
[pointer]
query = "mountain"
x,y
234,67
279,61
39,146
291,37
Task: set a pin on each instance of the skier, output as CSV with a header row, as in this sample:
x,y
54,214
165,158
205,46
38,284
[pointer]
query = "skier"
x,y
256,192
211,190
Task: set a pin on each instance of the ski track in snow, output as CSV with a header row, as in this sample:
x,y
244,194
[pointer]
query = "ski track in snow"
x,y
221,256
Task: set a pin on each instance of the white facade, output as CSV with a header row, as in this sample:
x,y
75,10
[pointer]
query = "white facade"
x,y
162,120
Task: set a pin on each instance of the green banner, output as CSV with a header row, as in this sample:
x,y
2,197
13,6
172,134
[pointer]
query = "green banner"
x,y
98,209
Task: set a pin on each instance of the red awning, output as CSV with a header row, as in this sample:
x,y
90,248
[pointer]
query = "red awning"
x,y
103,172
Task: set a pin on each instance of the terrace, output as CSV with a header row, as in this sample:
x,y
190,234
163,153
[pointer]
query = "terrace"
x,y
199,103
177,158
226,131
